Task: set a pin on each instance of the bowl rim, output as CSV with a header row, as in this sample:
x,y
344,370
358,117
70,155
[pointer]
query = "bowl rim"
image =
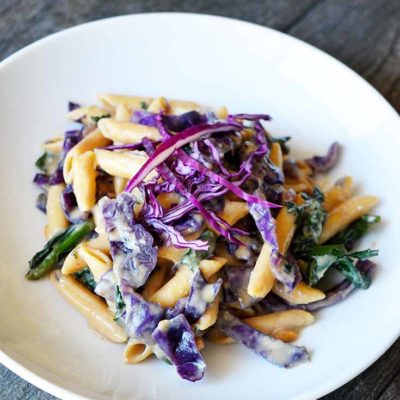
x,y
336,382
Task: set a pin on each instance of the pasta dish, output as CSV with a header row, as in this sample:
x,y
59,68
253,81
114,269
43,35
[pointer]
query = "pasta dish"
x,y
170,224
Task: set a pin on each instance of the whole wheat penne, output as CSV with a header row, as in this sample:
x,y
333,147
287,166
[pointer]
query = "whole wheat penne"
x,y
124,164
176,288
261,278
281,320
233,211
90,306
345,213
136,352
56,220
301,294
338,193
127,132
210,267
285,228
91,141
155,282
84,178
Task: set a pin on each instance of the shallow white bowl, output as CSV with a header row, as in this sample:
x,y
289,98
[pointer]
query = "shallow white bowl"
x,y
312,97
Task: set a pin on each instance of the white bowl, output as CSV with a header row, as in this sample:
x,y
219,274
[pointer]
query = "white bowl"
x,y
312,97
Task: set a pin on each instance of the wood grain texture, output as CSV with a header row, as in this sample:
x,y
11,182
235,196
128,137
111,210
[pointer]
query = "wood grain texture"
x,y
364,34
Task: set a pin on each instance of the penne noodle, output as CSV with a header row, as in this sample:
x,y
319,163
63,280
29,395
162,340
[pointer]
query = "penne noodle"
x,y
199,343
87,114
168,200
124,164
301,294
280,321
305,169
155,282
159,105
91,141
136,352
209,318
178,107
127,132
218,337
122,114
130,102
98,262
54,145
210,267
176,288
286,335
72,263
233,211
297,187
222,113
95,310
338,193
119,184
345,213
285,228
172,253
100,242
276,155
56,220
261,278
84,178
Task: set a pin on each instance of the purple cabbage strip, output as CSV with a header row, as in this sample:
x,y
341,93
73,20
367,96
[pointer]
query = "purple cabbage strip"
x,y
273,350
189,223
134,146
178,308
201,296
249,117
176,339
173,143
70,206
224,182
105,287
326,162
41,202
132,247
71,138
236,281
141,317
72,106
41,180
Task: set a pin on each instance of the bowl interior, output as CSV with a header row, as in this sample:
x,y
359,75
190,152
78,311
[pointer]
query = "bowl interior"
x,y
216,61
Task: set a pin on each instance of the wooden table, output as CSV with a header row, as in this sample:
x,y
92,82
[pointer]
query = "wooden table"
x,y
364,34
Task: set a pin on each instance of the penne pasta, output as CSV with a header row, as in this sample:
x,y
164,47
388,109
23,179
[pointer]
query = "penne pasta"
x,y
124,164
84,178
178,107
261,278
218,337
338,193
130,102
72,263
301,294
98,262
209,267
56,220
168,200
222,112
96,312
159,105
199,343
136,352
119,184
122,114
155,282
276,155
176,288
285,228
91,141
286,335
345,213
209,318
87,114
100,242
54,145
280,321
233,211
127,132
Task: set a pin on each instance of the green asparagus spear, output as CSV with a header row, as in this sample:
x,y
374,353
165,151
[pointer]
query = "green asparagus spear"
x,y
59,245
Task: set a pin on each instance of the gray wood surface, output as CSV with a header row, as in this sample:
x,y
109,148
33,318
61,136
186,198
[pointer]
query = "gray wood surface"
x,y
364,34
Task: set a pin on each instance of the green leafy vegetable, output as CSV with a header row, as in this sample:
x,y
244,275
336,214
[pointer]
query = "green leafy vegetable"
x,y
143,105
324,257
58,246
282,141
193,257
119,304
96,119
310,220
355,231
86,278
47,162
